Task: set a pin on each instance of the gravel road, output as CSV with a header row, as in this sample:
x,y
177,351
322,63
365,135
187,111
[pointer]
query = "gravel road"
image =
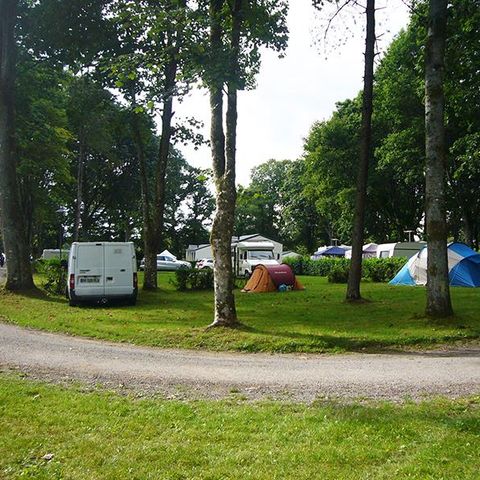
x,y
192,374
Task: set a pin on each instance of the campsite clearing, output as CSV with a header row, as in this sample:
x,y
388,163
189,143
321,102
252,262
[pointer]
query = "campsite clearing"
x,y
314,320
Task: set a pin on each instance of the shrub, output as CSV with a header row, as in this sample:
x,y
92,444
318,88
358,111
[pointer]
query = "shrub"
x,y
375,269
320,267
338,273
193,279
55,273
382,269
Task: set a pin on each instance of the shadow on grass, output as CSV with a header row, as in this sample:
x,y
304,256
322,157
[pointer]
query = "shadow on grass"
x,y
303,342
437,411
36,294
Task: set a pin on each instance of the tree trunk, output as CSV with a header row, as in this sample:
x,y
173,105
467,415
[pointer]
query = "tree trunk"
x,y
79,199
355,273
467,227
155,234
224,160
438,290
223,223
149,249
19,272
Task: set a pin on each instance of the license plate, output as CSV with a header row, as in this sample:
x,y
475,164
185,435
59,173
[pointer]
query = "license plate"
x,y
89,280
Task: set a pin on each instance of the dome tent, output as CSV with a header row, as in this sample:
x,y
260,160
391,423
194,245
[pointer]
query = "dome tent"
x,y
267,278
463,268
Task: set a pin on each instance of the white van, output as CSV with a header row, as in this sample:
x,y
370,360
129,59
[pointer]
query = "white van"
x,y
250,254
102,271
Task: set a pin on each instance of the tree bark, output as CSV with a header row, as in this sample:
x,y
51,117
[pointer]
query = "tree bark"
x,y
155,233
149,247
224,164
438,290
355,272
19,272
79,199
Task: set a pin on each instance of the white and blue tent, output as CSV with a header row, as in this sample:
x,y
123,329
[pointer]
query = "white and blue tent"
x,y
463,267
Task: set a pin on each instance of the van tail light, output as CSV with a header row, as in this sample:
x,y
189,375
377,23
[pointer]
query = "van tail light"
x,y
135,280
72,281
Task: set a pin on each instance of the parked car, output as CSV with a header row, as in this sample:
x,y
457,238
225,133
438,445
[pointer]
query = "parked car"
x,y
205,263
166,263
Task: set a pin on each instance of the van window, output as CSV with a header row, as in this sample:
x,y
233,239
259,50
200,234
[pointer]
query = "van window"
x,y
260,254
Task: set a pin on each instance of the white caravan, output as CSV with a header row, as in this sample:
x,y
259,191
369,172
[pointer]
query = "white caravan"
x,y
399,249
102,271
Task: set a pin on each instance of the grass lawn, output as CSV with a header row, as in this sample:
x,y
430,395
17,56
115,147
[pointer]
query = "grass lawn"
x,y
314,320
100,435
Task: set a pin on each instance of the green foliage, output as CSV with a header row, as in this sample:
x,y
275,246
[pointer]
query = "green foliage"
x,y
320,268
54,275
336,269
338,274
382,269
193,279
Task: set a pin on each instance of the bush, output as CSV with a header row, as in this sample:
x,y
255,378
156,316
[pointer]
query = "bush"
x,y
375,269
320,267
338,274
193,279
55,275
382,269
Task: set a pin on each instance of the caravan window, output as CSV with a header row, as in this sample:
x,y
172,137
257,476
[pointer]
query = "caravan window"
x,y
385,254
260,254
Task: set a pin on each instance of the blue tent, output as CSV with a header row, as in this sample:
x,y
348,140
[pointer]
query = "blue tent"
x,y
333,251
463,268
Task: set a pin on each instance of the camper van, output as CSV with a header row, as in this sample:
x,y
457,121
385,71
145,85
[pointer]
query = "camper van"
x,y
102,271
250,254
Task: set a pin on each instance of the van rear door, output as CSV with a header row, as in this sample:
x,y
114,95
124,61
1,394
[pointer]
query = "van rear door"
x,y
118,269
89,271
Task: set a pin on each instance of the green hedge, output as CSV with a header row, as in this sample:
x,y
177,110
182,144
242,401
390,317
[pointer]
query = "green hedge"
x,y
336,269
382,269
193,279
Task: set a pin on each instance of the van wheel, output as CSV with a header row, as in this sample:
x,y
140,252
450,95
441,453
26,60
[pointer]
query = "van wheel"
x,y
132,301
72,303
247,274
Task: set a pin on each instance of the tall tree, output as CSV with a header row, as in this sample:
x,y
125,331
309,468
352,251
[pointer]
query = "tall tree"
x,y
152,67
19,272
355,273
438,291
237,30
224,155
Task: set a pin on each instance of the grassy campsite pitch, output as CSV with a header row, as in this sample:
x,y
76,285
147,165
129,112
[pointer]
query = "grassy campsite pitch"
x,y
52,432
314,320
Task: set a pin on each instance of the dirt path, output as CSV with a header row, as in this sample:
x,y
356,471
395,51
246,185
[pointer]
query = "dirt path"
x,y
191,374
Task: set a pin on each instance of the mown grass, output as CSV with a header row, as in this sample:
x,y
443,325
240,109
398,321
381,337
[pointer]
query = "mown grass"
x,y
314,320
101,435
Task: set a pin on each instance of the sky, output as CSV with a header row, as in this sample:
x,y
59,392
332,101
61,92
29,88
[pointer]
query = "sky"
x,y
299,89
